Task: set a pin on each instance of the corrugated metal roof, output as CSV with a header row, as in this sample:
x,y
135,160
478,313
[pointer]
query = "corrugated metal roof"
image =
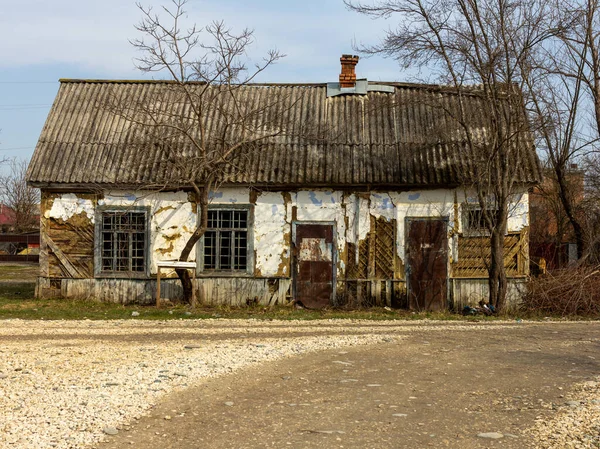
x,y
404,138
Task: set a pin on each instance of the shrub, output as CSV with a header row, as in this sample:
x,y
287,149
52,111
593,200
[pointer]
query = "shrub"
x,y
569,291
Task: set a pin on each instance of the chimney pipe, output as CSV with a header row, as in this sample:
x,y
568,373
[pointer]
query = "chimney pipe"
x,y
348,75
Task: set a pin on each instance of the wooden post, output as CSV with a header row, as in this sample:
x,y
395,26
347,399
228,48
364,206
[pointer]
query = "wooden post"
x,y
158,287
173,264
193,288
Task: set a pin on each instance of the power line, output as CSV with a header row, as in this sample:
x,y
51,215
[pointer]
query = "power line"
x,y
23,104
28,82
17,148
20,108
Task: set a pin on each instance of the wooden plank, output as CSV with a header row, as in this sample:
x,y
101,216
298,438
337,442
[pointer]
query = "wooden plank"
x,y
64,261
372,237
158,286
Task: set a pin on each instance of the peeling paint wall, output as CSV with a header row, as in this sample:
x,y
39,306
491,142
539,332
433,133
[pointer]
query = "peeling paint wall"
x,y
173,218
431,203
519,213
271,235
66,205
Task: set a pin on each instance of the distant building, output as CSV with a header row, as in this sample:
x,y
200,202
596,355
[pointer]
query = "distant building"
x,y
552,236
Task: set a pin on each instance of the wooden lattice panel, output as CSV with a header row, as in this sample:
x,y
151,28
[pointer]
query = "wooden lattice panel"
x,y
354,269
474,255
376,252
385,248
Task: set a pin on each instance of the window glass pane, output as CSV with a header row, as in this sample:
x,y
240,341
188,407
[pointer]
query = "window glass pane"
x,y
225,250
213,217
226,219
210,250
226,240
240,219
123,245
240,249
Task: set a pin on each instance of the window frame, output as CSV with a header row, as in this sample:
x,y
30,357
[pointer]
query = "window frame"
x,y
249,270
471,232
98,271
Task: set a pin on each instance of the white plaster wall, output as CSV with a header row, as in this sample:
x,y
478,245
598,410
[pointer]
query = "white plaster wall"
x,y
67,205
172,215
519,212
230,195
419,204
323,205
271,223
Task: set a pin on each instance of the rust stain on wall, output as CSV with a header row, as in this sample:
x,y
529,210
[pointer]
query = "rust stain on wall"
x,y
253,196
164,209
257,271
456,226
342,261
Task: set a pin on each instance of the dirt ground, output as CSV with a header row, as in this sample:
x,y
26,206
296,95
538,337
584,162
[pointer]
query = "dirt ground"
x,y
427,388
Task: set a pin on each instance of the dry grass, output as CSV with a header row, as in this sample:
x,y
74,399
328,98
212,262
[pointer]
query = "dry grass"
x,y
18,272
567,292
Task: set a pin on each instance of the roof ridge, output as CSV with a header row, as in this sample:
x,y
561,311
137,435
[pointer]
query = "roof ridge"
x,y
467,89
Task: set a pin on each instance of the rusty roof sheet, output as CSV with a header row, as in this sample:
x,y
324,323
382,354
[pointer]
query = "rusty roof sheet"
x,y
403,139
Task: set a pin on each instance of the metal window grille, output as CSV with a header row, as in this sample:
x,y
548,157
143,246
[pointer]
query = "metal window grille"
x,y
123,241
475,220
226,240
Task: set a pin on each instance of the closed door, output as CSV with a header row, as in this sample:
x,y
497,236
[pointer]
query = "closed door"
x,y
427,257
314,265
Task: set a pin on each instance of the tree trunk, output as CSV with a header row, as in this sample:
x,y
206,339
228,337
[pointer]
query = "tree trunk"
x,y
184,275
497,281
565,199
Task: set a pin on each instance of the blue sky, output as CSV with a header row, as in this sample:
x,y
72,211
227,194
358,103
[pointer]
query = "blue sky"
x,y
44,40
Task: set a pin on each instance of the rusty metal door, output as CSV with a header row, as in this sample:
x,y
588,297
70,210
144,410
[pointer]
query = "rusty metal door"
x,y
427,256
314,263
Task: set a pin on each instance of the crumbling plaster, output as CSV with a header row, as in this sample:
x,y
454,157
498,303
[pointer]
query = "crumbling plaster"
x,y
172,220
173,217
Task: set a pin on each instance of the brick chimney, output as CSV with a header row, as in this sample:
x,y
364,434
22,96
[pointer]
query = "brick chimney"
x,y
348,75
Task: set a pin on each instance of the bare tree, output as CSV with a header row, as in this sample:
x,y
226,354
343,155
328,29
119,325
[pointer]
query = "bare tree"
x,y
488,44
21,199
203,120
565,93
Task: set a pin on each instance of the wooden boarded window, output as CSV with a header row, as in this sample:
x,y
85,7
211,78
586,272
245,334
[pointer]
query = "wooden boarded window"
x,y
123,241
474,255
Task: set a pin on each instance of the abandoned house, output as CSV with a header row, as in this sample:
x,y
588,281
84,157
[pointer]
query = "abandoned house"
x,y
373,209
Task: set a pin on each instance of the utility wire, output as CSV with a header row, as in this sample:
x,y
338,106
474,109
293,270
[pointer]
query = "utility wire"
x,y
21,108
28,82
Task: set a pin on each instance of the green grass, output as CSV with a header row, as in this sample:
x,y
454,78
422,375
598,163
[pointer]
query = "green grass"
x,y
17,301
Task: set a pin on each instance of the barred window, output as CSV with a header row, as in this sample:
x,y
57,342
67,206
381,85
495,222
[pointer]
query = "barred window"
x,y
123,239
226,242
474,222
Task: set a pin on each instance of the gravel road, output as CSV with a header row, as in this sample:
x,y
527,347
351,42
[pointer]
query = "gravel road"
x,y
72,384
